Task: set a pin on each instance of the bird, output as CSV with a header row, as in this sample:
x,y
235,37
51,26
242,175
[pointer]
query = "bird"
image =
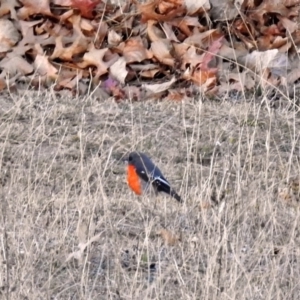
x,y
143,174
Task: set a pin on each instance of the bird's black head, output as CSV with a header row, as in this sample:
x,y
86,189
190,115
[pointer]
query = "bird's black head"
x,y
134,157
130,158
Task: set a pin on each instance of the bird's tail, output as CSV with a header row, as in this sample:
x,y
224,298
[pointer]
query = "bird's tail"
x,y
163,186
175,196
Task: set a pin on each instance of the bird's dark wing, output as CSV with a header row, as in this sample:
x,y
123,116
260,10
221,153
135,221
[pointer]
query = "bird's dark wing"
x,y
142,174
162,185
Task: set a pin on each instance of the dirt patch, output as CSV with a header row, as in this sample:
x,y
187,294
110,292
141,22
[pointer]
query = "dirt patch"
x,y
71,229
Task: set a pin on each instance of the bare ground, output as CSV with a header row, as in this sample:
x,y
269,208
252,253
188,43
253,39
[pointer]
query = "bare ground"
x,y
71,229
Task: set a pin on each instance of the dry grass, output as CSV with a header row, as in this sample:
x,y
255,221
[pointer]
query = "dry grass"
x,y
71,229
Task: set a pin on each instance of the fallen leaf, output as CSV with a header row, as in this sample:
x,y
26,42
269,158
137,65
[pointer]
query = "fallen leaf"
x,y
3,84
160,87
199,6
118,70
154,33
224,10
162,51
134,50
211,53
191,58
14,64
113,38
43,67
69,82
86,7
8,6
287,197
203,40
289,25
101,34
62,2
30,38
184,24
238,81
34,7
95,57
168,237
148,11
259,61
204,205
175,95
169,33
203,74
268,7
149,73
9,35
66,53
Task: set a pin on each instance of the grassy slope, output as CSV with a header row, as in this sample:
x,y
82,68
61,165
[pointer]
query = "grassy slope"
x,y
63,182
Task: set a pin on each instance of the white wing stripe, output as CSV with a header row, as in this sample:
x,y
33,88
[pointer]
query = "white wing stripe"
x,y
161,180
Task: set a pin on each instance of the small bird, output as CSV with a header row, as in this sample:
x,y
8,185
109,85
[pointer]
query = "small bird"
x,y
143,174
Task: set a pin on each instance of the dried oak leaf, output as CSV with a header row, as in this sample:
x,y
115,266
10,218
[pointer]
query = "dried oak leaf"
x,y
175,95
3,84
42,66
168,237
204,39
102,32
224,10
27,31
113,38
30,38
190,58
8,6
270,7
154,33
233,51
149,73
78,46
211,53
237,81
95,57
9,35
185,24
62,2
34,7
287,197
14,64
259,61
169,32
196,7
159,11
134,50
159,87
146,70
162,51
118,70
289,25
203,74
69,80
86,7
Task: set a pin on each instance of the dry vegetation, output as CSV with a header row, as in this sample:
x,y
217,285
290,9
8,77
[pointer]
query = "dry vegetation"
x,y
71,229
170,49
69,226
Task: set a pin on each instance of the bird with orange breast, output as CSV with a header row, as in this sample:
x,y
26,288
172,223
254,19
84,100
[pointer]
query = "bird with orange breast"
x,y
143,174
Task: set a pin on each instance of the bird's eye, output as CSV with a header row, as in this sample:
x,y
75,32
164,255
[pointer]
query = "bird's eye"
x,y
129,158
